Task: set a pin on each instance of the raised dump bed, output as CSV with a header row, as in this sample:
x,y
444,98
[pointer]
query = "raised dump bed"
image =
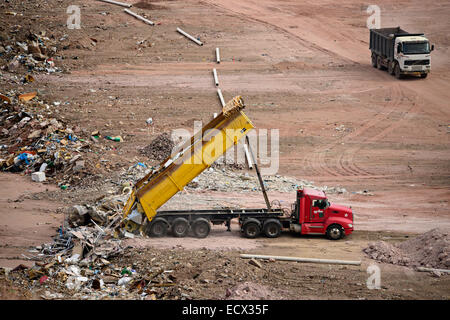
x,y
196,155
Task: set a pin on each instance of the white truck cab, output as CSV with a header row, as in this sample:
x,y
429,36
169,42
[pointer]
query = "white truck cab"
x,y
413,54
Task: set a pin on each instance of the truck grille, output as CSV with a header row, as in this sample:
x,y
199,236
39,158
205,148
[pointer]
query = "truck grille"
x,y
417,62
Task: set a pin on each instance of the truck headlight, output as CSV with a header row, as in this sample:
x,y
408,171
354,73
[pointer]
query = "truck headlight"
x,y
350,225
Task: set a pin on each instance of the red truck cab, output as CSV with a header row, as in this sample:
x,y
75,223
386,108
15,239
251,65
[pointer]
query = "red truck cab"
x,y
314,214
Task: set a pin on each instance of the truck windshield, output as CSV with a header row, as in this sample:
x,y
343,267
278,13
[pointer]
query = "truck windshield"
x,y
416,47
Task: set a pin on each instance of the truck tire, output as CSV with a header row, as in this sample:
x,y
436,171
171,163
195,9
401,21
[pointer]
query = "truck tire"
x,y
272,228
423,75
158,228
379,65
180,227
335,232
390,68
201,228
374,60
397,72
251,228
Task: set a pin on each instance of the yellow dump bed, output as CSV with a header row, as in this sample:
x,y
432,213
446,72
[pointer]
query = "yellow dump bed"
x,y
196,155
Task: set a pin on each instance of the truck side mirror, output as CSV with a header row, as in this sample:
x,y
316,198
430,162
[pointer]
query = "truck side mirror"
x,y
432,47
399,48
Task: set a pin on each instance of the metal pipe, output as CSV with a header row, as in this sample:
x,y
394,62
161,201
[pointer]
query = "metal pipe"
x,y
247,155
139,17
311,260
221,97
217,55
432,270
117,3
190,37
261,182
216,80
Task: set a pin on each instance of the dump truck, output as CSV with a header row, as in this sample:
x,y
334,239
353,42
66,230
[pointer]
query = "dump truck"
x,y
311,213
400,52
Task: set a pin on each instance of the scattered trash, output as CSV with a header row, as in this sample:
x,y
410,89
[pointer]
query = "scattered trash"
x,y
27,96
38,176
43,279
117,139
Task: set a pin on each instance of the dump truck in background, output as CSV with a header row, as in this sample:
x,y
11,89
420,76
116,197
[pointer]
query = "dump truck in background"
x,y
400,52
311,213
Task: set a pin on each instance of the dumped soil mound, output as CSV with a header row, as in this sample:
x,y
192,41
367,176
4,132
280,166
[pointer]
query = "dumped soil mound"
x,y
429,250
252,291
160,148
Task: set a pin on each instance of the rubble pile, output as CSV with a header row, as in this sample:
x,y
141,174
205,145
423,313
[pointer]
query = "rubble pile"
x,y
28,52
160,148
430,250
32,140
226,180
145,274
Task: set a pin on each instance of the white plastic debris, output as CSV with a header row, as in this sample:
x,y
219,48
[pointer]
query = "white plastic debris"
x,y
124,281
38,176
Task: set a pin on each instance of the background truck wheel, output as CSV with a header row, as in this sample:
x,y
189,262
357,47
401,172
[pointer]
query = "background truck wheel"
x,y
379,65
201,228
180,227
251,228
424,75
335,232
390,68
397,72
158,228
374,60
272,228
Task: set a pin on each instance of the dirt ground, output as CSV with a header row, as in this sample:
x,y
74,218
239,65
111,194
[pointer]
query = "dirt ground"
x,y
306,62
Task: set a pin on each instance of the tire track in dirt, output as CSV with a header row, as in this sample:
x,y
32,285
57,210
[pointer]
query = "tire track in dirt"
x,y
341,168
304,42
348,156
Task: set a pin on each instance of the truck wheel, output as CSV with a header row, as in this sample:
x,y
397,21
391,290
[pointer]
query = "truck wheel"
x,y
423,75
180,227
251,228
272,228
390,68
397,72
201,228
374,60
379,65
158,228
335,232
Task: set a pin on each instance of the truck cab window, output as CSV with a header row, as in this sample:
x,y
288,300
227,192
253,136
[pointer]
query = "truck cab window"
x,y
320,203
416,47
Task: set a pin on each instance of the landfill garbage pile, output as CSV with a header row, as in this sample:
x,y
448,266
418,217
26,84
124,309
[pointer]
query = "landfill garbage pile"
x,y
430,250
36,141
160,148
226,180
145,274
28,52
